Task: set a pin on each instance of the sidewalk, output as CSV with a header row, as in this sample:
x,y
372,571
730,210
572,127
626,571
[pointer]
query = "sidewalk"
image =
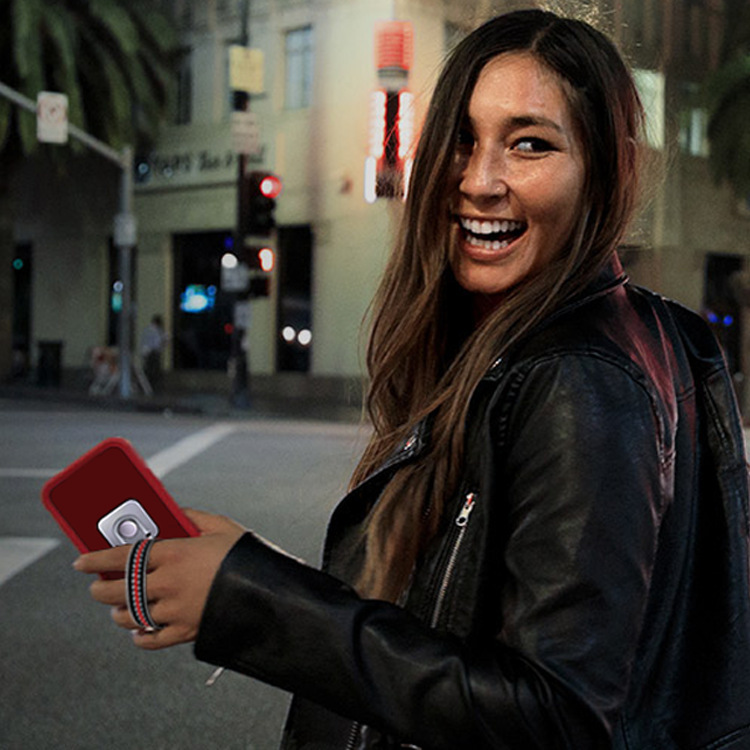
x,y
211,404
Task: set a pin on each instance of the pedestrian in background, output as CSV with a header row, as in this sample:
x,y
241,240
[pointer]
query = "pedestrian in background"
x,y
153,343
545,542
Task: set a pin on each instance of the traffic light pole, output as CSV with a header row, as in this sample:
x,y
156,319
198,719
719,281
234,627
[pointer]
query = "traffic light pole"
x,y
124,228
240,386
125,240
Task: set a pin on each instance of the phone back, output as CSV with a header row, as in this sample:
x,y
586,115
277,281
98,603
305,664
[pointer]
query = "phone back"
x,y
109,497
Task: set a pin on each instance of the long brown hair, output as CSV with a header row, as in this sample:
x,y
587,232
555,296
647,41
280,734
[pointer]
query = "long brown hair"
x,y
425,357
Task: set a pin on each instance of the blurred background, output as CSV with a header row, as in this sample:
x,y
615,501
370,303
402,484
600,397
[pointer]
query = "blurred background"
x,y
262,285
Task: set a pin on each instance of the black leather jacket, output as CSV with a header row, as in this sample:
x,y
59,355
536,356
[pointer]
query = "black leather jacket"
x,y
589,587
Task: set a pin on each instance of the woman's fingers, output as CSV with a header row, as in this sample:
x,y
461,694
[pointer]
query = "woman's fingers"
x,y
110,560
109,592
180,573
168,635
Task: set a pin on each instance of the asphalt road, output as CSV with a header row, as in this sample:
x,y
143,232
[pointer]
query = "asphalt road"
x,y
71,679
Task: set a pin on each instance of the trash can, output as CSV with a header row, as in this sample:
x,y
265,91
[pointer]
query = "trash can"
x,y
49,367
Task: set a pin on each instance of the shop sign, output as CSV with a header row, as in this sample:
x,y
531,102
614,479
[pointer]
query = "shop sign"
x,y
246,69
191,167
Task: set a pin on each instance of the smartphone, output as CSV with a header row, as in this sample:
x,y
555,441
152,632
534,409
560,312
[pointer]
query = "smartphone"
x,y
109,497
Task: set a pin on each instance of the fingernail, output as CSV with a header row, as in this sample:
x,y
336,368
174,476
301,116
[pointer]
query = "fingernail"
x,y
77,564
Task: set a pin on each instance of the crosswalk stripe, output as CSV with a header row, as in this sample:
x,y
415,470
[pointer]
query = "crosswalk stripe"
x,y
27,473
17,552
182,451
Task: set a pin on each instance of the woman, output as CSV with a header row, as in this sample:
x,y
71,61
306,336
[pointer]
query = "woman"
x,y
545,542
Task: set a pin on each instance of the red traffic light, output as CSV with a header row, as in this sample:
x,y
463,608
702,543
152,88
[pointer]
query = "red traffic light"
x,y
270,186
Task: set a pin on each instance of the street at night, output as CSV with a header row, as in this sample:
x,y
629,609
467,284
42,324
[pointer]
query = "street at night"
x,y
70,677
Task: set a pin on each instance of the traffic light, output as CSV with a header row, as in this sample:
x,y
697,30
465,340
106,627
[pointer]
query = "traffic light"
x,y
258,203
261,260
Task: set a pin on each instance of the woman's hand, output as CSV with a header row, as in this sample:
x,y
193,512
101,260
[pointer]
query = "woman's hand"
x,y
180,575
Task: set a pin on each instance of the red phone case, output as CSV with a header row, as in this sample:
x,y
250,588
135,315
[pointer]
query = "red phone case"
x,y
98,483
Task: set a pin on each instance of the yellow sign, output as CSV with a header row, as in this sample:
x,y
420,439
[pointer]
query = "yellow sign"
x,y
246,69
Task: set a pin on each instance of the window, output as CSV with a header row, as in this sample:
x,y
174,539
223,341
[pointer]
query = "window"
x,y
693,121
693,131
298,55
650,84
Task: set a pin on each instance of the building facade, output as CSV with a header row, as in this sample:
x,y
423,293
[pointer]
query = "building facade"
x,y
312,126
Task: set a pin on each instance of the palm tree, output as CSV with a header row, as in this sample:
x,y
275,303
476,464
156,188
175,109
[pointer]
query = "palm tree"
x,y
727,93
113,59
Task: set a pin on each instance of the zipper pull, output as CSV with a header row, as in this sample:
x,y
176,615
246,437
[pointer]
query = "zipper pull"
x,y
463,516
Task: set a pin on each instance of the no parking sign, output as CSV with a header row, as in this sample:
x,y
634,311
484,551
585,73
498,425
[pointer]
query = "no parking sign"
x,y
52,117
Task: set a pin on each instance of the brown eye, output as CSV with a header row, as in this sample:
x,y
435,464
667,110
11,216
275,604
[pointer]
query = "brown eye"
x,y
532,145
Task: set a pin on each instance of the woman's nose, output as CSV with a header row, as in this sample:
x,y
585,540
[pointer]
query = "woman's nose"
x,y
483,176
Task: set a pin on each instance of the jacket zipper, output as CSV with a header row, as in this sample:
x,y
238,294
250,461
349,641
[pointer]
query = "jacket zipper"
x,y
353,734
461,522
462,519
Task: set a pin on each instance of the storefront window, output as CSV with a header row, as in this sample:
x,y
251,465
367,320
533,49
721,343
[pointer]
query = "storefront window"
x,y
203,314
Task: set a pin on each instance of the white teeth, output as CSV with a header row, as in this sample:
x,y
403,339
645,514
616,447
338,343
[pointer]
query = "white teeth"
x,y
488,244
477,227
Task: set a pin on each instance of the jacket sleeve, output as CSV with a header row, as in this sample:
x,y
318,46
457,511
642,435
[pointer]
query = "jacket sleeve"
x,y
584,480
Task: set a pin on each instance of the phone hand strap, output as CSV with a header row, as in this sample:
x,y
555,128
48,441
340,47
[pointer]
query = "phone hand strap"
x,y
135,578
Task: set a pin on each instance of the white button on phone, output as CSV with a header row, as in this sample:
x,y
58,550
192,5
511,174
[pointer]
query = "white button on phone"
x,y
127,529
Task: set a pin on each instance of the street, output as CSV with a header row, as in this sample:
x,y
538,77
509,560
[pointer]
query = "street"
x,y
70,678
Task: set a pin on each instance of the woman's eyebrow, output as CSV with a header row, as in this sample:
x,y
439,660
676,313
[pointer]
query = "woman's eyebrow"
x,y
525,121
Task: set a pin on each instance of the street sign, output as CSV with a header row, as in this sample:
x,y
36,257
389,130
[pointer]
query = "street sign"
x,y
125,230
246,69
246,133
242,315
51,117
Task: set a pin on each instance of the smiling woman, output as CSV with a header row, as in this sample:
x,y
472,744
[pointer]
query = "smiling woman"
x,y
537,550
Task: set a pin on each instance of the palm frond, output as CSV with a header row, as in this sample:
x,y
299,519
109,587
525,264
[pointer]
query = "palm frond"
x,y
27,48
113,59
61,31
157,32
117,23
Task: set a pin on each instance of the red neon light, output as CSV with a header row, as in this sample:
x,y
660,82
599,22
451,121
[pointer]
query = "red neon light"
x,y
377,123
394,45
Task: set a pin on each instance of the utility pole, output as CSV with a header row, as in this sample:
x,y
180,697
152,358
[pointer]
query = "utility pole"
x,y
125,234
239,386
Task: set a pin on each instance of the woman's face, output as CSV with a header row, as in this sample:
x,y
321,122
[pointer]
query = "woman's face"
x,y
519,175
